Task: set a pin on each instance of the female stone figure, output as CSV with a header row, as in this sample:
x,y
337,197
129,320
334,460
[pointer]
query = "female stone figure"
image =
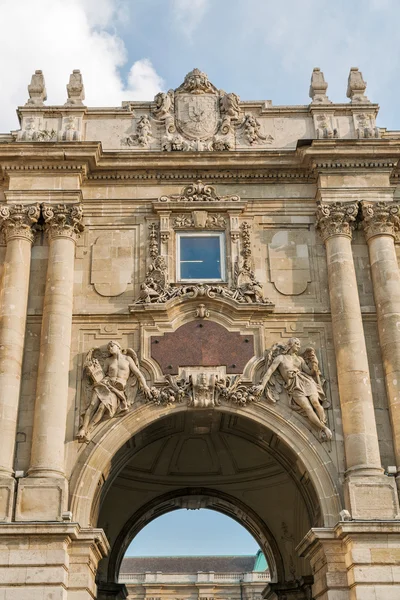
x,y
286,369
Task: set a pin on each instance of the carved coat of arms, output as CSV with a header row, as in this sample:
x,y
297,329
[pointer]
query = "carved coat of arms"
x,y
197,115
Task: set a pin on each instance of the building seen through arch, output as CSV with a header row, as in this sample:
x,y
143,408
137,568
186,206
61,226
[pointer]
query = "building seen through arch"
x,y
200,300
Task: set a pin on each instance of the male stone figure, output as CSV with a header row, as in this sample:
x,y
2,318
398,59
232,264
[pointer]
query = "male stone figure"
x,y
300,381
109,383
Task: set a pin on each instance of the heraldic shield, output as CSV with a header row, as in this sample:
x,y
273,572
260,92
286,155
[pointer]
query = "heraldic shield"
x,y
197,115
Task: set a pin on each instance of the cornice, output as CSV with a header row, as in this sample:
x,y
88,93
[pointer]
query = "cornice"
x,y
302,164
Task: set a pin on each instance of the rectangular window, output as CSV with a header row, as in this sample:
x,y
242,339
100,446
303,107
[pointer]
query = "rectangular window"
x,y
200,256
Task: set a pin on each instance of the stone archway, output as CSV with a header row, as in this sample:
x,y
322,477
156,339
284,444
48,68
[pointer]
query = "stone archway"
x,y
194,499
94,463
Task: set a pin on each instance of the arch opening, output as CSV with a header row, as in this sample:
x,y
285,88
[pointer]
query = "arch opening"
x,y
230,461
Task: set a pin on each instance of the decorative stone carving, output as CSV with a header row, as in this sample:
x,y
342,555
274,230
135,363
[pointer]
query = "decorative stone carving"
x,y
300,376
199,219
202,312
336,218
46,135
380,218
198,192
198,117
63,220
106,375
157,289
203,389
324,129
245,282
318,87
365,126
75,89
164,106
143,135
70,131
28,131
356,87
252,131
37,90
19,220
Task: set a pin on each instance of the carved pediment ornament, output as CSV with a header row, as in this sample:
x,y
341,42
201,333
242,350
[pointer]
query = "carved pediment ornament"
x,y
199,192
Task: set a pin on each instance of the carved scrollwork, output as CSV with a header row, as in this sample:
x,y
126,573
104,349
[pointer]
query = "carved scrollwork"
x,y
19,220
63,220
336,218
199,192
380,218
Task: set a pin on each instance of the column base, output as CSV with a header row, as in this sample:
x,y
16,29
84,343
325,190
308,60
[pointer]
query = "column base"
x,y
52,560
290,590
111,591
356,560
7,492
374,497
41,499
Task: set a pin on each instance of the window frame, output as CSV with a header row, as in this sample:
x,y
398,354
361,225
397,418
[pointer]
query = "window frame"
x,y
222,255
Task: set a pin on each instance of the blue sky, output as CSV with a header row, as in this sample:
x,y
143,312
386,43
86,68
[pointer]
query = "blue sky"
x,y
195,532
260,49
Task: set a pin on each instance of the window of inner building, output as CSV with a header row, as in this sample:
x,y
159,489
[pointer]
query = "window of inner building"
x,y
201,256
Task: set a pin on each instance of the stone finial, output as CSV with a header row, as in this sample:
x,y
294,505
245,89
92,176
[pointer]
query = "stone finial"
x,y
37,89
336,218
356,86
75,89
318,87
380,218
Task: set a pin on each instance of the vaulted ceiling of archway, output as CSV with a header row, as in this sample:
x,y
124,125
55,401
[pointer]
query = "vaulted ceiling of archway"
x,y
207,449
199,449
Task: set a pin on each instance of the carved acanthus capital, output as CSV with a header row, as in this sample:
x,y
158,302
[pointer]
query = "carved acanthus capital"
x,y
380,218
63,220
18,220
336,218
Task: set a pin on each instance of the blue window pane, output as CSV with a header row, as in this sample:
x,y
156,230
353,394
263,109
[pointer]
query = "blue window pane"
x,y
200,258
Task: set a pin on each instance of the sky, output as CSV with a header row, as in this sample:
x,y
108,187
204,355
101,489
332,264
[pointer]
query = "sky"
x,y
259,49
195,532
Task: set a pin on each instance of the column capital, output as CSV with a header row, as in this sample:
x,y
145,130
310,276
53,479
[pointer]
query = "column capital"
x,y
17,221
380,218
336,218
63,220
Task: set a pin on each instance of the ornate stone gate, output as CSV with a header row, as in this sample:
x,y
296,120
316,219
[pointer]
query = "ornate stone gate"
x,y
200,300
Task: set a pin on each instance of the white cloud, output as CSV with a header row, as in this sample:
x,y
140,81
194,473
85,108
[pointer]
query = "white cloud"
x,y
57,37
188,14
143,81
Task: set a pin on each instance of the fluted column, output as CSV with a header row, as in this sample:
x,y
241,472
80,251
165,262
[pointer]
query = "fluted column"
x,y
63,224
16,221
381,220
335,221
